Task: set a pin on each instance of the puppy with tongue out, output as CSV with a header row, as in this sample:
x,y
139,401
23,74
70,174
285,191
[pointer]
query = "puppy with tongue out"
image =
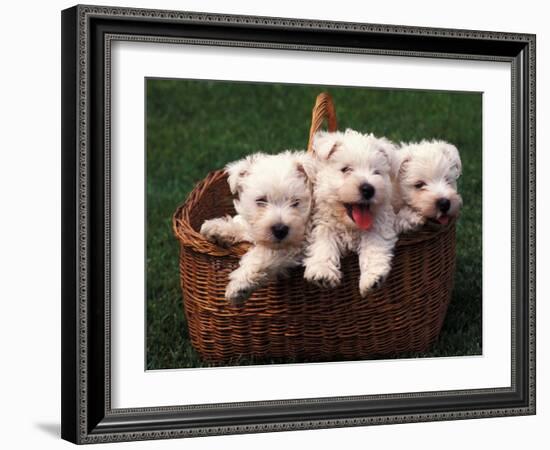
x,y
352,208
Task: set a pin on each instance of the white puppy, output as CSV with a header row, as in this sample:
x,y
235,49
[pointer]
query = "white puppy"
x,y
352,208
273,209
425,184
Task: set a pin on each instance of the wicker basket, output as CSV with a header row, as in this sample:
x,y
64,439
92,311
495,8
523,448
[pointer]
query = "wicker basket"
x,y
295,320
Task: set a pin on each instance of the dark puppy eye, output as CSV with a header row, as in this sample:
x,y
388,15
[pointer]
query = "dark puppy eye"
x,y
345,169
376,172
419,185
261,201
295,203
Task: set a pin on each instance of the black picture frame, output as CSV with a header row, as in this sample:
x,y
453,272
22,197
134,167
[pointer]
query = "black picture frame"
x,y
87,416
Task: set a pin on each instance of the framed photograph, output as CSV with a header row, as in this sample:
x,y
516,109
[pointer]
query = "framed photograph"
x,y
281,224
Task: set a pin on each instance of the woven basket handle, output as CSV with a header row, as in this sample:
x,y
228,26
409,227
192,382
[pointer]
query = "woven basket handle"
x,y
323,109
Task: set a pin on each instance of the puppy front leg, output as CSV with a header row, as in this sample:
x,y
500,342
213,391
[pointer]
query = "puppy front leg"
x,y
408,219
225,230
322,262
252,273
375,257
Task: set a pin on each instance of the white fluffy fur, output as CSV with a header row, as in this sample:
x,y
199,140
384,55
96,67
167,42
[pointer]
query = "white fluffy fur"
x,y
345,161
272,190
428,171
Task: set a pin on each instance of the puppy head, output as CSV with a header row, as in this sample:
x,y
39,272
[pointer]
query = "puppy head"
x,y
427,179
274,196
354,175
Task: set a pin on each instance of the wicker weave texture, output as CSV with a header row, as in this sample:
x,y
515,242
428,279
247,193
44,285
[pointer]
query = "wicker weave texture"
x,y
295,320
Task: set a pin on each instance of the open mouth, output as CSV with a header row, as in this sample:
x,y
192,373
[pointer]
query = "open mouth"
x,y
361,214
443,219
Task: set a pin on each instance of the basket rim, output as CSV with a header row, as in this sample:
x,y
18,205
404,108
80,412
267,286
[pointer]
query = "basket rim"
x,y
192,239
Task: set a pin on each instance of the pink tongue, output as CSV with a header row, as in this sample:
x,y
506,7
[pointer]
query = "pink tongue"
x,y
444,220
361,216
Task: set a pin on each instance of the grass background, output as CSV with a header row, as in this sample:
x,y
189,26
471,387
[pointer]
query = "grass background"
x,y
194,127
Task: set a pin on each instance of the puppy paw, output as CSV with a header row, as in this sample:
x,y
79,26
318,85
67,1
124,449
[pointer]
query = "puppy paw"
x,y
212,230
323,275
407,221
208,229
379,282
369,282
236,293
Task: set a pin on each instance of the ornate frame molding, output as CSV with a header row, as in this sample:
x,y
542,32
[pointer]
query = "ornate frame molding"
x,y
87,423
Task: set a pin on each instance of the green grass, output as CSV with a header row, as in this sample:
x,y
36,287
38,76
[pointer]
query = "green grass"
x,y
194,127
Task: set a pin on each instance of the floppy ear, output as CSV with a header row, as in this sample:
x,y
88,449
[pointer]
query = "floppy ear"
x,y
451,152
325,143
307,166
237,171
389,150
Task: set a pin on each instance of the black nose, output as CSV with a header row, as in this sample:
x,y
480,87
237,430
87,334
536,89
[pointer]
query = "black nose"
x,y
367,190
443,204
279,231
